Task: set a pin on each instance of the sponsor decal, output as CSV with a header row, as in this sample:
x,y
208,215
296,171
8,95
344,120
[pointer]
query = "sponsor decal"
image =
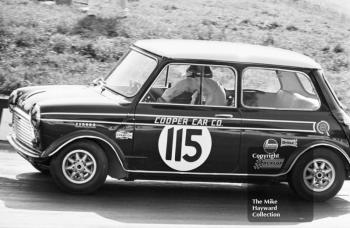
x,y
268,163
123,134
270,160
188,121
184,148
323,127
270,146
289,142
85,125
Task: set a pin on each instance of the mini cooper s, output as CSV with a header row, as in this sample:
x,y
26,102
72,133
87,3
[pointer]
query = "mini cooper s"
x,y
190,110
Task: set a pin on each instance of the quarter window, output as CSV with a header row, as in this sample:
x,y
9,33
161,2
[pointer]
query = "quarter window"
x,y
307,85
194,85
278,89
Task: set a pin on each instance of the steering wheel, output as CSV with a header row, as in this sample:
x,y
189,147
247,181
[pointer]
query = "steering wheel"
x,y
254,90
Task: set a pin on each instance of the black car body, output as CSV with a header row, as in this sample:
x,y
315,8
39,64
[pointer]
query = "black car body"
x,y
280,120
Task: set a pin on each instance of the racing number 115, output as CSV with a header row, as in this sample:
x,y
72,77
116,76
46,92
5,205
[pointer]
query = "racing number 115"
x,y
178,144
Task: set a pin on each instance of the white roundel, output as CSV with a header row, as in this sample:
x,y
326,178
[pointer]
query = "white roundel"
x,y
184,148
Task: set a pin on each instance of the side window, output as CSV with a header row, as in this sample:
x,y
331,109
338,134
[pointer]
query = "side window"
x,y
306,84
278,89
261,80
194,85
169,75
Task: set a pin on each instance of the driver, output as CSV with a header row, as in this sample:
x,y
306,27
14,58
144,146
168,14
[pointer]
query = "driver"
x,y
212,92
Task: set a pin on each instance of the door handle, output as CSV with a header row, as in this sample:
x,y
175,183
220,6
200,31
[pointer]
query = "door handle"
x,y
224,115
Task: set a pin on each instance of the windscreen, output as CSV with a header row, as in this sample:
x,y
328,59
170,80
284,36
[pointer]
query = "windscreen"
x,y
131,73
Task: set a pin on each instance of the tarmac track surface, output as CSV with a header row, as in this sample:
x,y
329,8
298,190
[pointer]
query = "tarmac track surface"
x,y
30,199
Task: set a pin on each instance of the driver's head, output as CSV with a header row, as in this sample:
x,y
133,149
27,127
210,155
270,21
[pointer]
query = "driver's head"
x,y
196,71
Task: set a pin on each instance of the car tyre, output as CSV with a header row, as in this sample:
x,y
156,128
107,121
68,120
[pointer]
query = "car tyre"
x,y
80,167
318,175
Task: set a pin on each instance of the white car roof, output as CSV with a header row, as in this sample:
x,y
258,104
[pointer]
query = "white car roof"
x,y
226,51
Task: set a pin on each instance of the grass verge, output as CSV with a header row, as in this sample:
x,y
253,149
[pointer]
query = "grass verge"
x,y
55,44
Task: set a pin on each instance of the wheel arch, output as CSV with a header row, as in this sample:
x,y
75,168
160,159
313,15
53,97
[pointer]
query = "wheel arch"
x,y
339,151
113,152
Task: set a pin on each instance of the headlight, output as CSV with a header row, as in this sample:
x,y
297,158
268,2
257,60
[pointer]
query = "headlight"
x,y
13,99
35,115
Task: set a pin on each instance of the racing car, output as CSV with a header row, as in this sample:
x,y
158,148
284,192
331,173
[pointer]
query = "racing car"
x,y
189,110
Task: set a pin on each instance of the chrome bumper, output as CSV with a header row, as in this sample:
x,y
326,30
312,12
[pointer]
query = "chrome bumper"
x,y
22,149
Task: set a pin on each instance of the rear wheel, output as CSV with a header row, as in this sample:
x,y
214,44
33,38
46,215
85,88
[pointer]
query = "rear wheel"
x,y
318,175
81,167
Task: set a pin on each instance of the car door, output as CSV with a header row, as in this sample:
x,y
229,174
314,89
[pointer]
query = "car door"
x,y
281,115
187,134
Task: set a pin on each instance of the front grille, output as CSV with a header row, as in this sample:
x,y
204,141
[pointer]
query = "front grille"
x,y
22,128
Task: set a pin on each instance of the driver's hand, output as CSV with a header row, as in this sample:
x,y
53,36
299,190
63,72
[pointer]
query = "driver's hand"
x,y
161,100
194,97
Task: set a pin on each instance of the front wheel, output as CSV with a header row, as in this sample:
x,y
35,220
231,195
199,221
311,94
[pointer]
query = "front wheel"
x,y
80,167
318,175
